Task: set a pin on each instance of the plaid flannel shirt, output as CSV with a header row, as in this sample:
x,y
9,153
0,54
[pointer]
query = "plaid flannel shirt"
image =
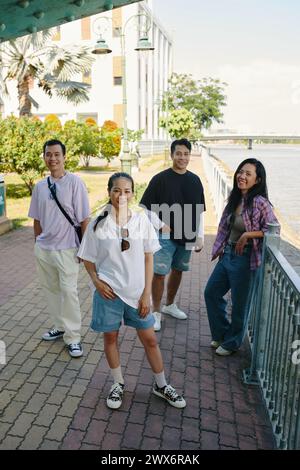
x,y
254,220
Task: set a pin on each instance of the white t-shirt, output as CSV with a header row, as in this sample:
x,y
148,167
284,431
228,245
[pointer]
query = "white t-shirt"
x,y
123,271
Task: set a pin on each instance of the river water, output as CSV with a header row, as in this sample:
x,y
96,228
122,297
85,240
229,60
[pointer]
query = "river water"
x,y
282,163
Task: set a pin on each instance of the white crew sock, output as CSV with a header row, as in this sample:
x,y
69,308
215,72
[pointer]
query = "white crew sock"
x,y
160,379
117,375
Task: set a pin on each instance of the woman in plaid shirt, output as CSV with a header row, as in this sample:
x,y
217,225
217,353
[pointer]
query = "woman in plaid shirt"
x,y
239,247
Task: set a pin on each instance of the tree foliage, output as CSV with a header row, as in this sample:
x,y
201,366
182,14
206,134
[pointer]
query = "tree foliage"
x,y
52,122
135,136
82,141
21,144
109,126
22,140
90,121
180,123
34,58
110,140
204,98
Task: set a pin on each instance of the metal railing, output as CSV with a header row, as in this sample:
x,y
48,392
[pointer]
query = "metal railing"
x,y
274,334
273,327
152,147
219,181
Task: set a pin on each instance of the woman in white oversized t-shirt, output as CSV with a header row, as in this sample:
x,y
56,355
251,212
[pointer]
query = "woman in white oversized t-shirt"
x,y
117,250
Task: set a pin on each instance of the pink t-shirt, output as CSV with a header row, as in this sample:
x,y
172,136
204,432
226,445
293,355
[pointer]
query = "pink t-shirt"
x,y
57,232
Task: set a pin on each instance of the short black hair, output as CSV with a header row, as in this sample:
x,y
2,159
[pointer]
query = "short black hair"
x,y
184,142
54,142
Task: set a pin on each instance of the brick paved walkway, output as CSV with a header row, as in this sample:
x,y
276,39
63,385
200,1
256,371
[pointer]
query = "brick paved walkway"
x,y
50,401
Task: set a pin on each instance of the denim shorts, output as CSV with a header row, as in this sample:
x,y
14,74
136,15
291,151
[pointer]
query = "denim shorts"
x,y
171,255
107,315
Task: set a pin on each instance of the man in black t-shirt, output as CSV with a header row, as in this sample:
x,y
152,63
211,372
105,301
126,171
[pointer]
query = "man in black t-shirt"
x,y
176,196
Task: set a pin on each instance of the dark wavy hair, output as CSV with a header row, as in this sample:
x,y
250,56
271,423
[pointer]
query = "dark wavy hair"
x,y
107,208
259,189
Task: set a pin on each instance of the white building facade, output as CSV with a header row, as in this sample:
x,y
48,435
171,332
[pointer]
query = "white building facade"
x,y
146,77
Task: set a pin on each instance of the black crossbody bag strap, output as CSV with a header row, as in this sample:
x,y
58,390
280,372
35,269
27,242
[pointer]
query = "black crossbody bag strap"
x,y
58,203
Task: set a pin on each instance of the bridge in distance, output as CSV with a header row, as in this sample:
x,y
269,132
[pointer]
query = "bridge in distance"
x,y
249,138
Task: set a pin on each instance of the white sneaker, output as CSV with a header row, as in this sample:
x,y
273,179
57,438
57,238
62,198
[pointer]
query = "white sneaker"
x,y
169,394
114,399
215,344
75,349
157,324
223,352
174,311
53,334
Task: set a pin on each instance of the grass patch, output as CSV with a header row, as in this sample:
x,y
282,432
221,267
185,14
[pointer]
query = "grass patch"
x,y
148,161
16,191
18,223
139,189
106,168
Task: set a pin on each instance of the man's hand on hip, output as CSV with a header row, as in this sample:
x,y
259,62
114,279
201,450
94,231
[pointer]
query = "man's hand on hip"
x,y
199,244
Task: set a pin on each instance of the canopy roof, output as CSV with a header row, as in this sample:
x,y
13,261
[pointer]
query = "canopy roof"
x,y
21,17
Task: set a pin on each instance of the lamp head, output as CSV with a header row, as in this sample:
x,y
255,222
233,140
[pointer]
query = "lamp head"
x,y
144,45
101,47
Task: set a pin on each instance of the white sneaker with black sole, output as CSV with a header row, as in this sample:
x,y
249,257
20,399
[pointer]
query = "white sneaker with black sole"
x,y
53,334
114,399
169,394
174,311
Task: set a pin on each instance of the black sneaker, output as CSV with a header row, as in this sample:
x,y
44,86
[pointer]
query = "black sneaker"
x,y
52,334
170,395
114,399
75,349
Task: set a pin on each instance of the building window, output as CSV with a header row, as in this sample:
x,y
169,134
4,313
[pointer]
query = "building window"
x,y
117,30
87,77
118,114
117,81
117,22
56,34
86,28
117,16
146,121
117,66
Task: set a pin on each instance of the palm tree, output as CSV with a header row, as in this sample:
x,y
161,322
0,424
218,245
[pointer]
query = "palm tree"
x,y
33,57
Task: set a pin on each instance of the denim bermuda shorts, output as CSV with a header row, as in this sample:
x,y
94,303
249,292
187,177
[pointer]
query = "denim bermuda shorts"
x,y
171,255
107,315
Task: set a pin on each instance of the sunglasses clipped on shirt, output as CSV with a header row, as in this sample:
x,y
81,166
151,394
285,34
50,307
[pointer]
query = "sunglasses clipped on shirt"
x,y
125,245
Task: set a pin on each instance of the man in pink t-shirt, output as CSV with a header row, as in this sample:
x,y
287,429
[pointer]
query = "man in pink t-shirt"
x,y
56,244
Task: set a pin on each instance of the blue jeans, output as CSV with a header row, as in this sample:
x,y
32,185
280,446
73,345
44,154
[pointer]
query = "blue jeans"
x,y
232,272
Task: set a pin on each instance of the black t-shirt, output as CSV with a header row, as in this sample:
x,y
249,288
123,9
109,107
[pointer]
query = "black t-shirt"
x,y
178,200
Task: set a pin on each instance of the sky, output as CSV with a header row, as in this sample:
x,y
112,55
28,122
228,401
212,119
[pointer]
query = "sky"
x,y
253,46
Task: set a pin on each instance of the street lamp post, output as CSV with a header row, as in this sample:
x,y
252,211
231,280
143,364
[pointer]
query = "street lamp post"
x,y
167,152
126,163
143,45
